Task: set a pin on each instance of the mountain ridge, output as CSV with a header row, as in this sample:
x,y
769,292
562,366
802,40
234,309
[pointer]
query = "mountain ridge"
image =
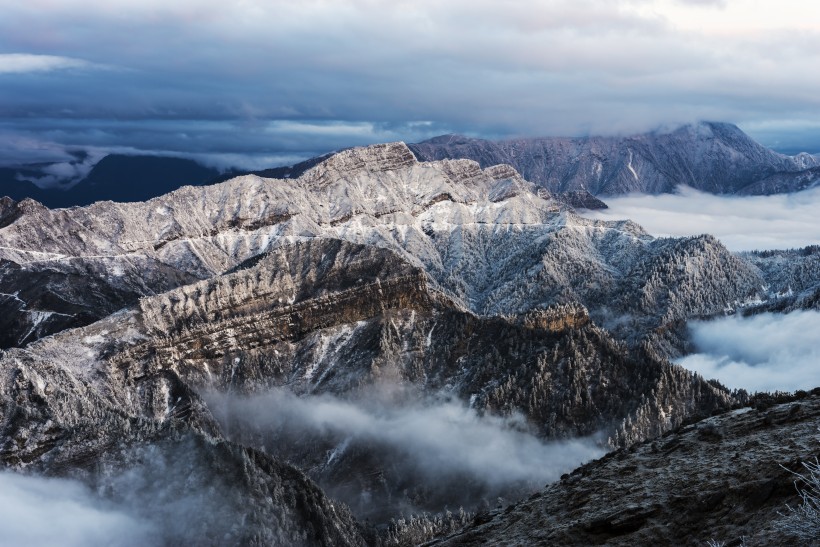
x,y
573,169
713,157
474,230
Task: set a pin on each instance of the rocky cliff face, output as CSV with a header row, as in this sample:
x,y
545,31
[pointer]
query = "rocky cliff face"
x,y
712,157
143,439
327,316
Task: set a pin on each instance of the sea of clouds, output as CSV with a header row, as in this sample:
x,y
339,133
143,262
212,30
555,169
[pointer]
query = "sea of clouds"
x,y
742,223
765,352
441,445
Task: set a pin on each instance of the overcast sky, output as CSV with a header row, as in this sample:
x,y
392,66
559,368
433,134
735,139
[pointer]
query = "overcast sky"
x,y
271,81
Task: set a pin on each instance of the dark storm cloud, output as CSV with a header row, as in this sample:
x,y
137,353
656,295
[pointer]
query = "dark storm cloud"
x,y
478,67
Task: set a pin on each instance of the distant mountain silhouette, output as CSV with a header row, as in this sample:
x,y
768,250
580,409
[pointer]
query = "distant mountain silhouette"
x,y
713,157
284,172
13,187
131,178
115,177
137,178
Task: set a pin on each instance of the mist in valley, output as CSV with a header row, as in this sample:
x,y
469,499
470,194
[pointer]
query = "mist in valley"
x,y
388,451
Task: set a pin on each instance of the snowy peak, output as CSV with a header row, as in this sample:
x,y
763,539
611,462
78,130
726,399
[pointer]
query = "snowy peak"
x,y
492,241
374,158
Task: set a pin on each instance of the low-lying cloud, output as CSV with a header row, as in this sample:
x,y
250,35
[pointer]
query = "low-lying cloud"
x,y
170,492
439,447
50,511
765,352
744,223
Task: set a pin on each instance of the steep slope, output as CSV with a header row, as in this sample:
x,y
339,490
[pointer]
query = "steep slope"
x,y
327,316
490,239
713,157
144,440
330,316
723,479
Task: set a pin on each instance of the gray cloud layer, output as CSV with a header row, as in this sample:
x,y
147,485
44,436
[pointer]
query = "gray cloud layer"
x,y
742,223
206,77
760,353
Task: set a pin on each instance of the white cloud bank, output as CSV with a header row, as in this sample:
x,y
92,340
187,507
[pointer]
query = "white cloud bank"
x,y
437,437
17,63
456,456
764,352
48,511
744,223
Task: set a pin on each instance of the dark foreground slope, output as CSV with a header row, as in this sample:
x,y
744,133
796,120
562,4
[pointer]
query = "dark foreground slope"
x,y
724,478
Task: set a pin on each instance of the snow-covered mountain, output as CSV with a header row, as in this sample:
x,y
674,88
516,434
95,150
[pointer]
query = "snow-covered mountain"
x,y
131,328
326,316
713,157
491,240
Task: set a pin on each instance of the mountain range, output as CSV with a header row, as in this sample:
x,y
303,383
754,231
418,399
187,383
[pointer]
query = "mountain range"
x,y
153,346
713,157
